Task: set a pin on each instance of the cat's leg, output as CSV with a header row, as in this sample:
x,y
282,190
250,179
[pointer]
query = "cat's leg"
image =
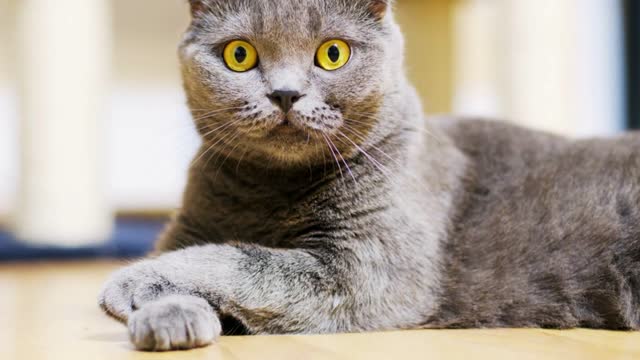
x,y
269,291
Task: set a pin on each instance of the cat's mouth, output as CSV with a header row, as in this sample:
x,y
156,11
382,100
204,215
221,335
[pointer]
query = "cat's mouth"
x,y
291,136
288,124
299,136
296,130
287,128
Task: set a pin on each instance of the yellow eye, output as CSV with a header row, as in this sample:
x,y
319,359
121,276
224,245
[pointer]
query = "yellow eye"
x,y
240,56
333,55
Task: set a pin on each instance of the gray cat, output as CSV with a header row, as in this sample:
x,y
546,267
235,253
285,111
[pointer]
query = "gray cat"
x,y
322,201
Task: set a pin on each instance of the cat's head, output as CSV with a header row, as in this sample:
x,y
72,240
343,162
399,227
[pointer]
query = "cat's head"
x,y
290,81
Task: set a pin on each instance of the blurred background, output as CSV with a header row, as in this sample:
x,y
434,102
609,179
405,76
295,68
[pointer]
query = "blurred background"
x,y
95,138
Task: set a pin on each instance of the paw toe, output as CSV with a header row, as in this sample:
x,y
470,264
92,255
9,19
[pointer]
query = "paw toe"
x,y
174,323
114,303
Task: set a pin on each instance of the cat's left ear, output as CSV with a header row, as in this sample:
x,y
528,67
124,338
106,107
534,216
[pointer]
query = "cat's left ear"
x,y
197,7
379,8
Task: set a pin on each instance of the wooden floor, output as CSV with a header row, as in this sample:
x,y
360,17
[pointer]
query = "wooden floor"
x,y
48,311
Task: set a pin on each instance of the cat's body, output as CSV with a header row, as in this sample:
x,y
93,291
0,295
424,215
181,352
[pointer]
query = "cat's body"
x,y
548,234
376,219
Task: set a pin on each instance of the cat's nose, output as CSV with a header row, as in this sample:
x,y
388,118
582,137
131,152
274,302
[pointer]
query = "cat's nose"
x,y
285,98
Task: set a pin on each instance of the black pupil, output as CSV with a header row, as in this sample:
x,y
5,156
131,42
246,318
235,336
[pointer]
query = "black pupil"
x,y
334,53
241,54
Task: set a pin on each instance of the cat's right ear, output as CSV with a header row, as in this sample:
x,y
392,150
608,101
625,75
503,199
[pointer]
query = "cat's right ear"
x,y
379,8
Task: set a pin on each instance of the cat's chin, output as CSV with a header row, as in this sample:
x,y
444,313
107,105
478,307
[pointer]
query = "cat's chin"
x,y
288,145
286,131
292,156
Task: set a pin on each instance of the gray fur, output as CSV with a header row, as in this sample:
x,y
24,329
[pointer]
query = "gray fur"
x,y
359,215
174,322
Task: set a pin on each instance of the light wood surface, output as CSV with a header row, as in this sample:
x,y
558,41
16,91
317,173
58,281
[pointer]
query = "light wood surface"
x,y
48,311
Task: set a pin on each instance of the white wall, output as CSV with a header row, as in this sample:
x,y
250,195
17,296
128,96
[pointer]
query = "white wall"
x,y
149,135
8,124
566,65
554,65
8,149
151,142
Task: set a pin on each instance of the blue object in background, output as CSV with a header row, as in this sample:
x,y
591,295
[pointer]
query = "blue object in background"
x,y
632,13
131,238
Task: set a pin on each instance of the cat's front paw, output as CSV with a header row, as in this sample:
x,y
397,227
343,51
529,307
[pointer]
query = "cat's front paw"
x,y
132,287
174,323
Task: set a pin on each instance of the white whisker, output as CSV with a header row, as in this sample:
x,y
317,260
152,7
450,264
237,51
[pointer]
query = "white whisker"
x,y
225,127
334,156
229,154
344,161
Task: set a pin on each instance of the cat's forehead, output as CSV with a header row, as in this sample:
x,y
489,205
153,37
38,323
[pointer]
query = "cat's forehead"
x,y
290,21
